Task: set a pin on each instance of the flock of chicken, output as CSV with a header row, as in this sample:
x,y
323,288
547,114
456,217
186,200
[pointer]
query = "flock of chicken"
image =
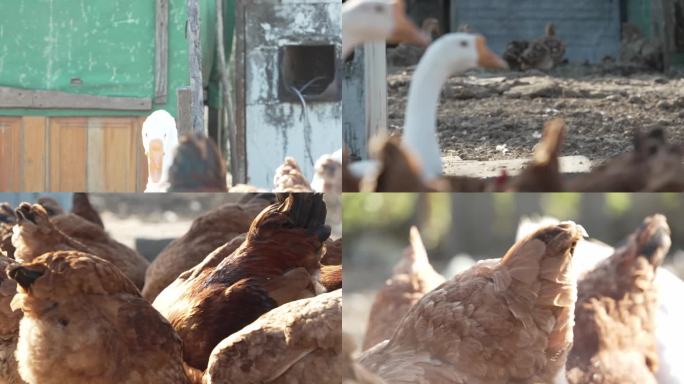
x,y
413,162
556,308
250,294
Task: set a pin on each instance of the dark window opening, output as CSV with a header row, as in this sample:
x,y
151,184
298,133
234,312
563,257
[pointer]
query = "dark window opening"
x,y
309,71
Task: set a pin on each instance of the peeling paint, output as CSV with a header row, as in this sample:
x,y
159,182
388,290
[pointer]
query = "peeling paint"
x,y
278,129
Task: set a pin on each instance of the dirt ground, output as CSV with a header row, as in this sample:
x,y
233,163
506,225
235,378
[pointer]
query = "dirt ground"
x,y
500,115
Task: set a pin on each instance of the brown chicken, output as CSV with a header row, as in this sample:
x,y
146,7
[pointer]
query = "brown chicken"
x,y
296,343
7,220
333,252
615,338
654,166
38,234
543,173
197,166
9,327
413,277
206,233
277,263
289,178
81,207
507,320
85,322
331,277
353,372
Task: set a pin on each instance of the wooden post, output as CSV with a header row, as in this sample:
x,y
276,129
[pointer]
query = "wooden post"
x,y
226,89
195,65
161,53
663,22
238,58
375,81
184,120
364,95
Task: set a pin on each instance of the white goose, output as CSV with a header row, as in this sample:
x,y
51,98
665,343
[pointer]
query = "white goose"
x,y
452,54
365,21
160,139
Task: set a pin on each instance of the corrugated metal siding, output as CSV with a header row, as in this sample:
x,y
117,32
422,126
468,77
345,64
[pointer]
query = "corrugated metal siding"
x,y
590,28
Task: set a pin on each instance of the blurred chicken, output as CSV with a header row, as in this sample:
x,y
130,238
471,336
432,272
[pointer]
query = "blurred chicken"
x,y
327,179
333,252
543,173
615,338
409,54
9,327
513,53
353,372
507,320
413,277
7,220
289,178
298,342
653,166
85,322
278,262
36,234
52,207
670,316
81,207
197,166
331,277
207,233
545,52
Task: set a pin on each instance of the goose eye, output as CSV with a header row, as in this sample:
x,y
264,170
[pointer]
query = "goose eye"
x,y
464,43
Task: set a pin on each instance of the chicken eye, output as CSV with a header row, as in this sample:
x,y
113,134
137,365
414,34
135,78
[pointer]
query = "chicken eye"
x,y
63,322
464,43
379,9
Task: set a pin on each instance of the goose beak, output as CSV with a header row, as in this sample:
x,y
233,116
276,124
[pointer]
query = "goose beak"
x,y
485,57
155,159
406,30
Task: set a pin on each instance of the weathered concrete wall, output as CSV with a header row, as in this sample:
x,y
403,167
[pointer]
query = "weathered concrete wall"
x,y
590,28
276,129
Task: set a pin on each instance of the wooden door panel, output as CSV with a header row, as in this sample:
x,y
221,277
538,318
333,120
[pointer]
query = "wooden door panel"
x,y
10,166
34,154
68,154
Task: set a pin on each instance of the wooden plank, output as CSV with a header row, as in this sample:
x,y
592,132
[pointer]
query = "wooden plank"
x,y
161,53
95,165
34,157
68,151
375,84
239,168
140,159
195,65
454,166
184,119
119,155
10,166
27,98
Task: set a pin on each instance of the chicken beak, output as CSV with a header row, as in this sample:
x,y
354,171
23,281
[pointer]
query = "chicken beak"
x,y
485,57
155,159
406,30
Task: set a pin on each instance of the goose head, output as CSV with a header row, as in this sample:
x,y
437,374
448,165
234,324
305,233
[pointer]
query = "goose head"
x,y
451,54
366,21
160,138
464,51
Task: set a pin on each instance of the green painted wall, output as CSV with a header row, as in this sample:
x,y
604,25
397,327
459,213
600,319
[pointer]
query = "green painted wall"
x,y
108,45
639,14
